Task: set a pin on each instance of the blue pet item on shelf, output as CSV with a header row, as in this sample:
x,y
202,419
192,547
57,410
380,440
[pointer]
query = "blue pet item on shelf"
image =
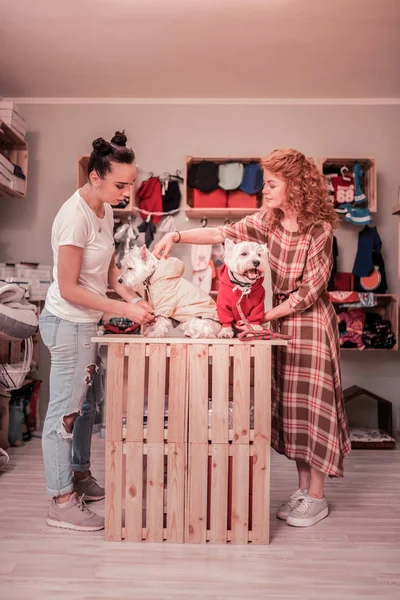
x,y
358,216
253,179
343,209
359,196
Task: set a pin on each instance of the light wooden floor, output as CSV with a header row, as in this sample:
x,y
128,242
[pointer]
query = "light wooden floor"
x,y
354,553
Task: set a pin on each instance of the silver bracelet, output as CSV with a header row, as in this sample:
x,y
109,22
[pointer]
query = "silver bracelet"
x,y
135,300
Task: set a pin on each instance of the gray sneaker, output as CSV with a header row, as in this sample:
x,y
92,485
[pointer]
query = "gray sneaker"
x,y
285,509
74,514
308,512
88,488
4,458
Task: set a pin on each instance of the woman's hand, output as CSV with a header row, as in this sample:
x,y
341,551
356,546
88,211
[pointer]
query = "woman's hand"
x,y
163,247
140,312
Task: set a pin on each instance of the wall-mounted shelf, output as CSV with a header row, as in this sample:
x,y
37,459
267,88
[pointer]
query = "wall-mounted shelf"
x,y
216,213
368,165
15,149
388,308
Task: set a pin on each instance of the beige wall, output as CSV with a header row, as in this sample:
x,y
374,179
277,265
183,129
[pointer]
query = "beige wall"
x,y
163,135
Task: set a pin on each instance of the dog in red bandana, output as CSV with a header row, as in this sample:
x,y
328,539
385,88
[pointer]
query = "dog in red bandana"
x,y
241,295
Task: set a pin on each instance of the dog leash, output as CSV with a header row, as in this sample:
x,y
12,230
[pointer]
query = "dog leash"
x,y
249,334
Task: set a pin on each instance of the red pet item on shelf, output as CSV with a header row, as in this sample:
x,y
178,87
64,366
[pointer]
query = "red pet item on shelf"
x,y
239,199
215,199
343,282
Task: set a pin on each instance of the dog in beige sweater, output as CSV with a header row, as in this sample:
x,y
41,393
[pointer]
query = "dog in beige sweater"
x,y
161,283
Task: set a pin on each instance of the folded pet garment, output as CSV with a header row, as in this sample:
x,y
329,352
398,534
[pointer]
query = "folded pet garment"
x,y
230,175
253,179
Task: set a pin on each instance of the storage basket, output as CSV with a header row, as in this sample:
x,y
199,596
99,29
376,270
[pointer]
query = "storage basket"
x,y
12,376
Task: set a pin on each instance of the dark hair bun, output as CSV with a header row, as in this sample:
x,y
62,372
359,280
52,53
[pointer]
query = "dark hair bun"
x,y
119,138
102,147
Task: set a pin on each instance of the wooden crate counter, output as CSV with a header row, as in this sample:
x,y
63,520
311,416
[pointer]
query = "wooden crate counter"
x,y
188,429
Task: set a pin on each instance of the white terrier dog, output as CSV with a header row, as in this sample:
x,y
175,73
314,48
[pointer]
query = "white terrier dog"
x,y
241,294
161,283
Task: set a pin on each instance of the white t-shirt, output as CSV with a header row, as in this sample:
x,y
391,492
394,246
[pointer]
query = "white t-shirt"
x,y
76,224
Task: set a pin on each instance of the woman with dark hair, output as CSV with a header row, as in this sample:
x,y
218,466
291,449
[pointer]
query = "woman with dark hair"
x,y
84,265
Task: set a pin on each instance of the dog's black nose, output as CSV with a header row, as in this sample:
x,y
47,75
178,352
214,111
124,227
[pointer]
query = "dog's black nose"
x,y
256,263
120,280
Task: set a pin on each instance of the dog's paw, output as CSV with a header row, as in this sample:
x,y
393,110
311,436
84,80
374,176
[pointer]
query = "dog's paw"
x,y
226,333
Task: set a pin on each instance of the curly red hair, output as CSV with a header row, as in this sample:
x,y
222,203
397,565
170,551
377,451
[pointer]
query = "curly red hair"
x,y
306,189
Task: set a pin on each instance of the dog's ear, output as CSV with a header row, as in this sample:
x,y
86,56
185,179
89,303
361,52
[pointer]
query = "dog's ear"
x,y
143,252
229,245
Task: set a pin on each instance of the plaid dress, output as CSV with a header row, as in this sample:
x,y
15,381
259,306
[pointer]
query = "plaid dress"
x,y
308,416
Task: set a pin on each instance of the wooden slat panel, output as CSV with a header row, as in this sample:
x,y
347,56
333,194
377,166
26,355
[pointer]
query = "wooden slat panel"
x,y
196,522
155,492
134,491
198,393
261,446
241,395
135,395
177,395
220,394
156,397
114,392
219,493
240,494
113,492
177,456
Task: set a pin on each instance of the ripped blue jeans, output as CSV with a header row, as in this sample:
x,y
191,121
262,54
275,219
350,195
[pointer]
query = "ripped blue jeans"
x,y
75,388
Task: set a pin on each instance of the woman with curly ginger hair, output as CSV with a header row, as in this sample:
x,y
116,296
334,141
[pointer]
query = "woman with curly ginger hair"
x,y
308,417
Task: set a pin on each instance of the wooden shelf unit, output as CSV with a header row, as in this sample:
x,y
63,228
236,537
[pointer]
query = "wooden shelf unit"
x,y
388,308
15,148
82,178
368,165
216,213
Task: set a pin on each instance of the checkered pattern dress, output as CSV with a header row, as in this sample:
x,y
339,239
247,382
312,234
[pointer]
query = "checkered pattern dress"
x,y
308,416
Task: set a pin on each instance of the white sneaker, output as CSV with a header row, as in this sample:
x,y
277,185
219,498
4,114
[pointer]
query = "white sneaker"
x,y
285,509
309,511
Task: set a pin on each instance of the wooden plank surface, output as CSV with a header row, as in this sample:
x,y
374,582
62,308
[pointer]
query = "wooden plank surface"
x,y
110,340
353,554
196,522
135,392
156,395
261,446
113,492
134,491
177,397
241,395
198,394
176,478
219,494
114,392
240,494
155,492
220,395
